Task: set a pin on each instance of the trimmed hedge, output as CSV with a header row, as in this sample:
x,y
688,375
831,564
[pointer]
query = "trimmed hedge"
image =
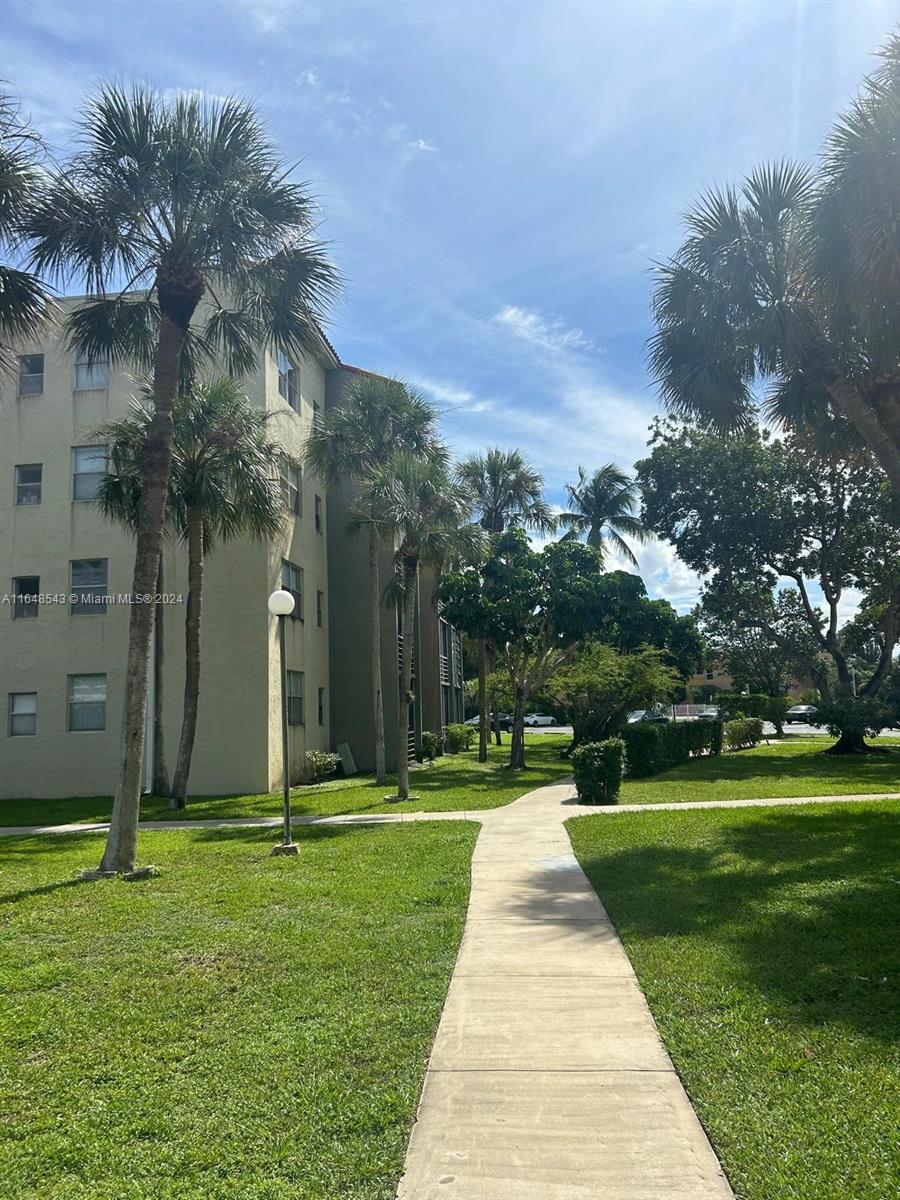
x,y
432,745
650,749
459,737
741,735
321,763
598,768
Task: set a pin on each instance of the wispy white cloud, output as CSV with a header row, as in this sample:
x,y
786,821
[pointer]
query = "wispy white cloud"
x,y
546,332
452,395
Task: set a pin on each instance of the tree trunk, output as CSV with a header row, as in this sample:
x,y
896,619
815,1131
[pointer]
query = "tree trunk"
x,y
410,571
191,658
121,843
851,741
867,423
375,649
517,741
161,785
491,659
483,714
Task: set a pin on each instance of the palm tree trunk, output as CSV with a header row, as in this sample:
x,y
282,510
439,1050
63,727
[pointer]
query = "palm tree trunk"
x,y
517,741
121,843
191,658
483,714
410,572
375,650
160,771
860,414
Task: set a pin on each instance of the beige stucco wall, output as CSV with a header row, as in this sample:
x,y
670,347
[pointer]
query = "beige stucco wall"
x,y
238,746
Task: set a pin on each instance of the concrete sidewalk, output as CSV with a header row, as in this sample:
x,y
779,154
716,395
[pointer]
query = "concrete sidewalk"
x,y
548,1079
567,797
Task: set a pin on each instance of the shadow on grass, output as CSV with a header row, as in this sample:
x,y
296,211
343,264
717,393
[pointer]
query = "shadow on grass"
x,y
807,906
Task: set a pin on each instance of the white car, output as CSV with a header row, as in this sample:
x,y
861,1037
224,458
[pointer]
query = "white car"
x,y
539,719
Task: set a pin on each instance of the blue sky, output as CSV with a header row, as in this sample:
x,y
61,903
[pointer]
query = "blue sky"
x,y
495,178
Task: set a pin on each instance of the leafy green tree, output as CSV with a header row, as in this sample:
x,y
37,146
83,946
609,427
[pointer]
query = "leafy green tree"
x,y
601,509
352,442
506,492
788,287
24,301
224,484
749,512
537,608
186,200
416,505
601,685
766,653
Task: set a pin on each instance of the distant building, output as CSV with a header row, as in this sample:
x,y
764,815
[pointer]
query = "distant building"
x,y
62,661
715,676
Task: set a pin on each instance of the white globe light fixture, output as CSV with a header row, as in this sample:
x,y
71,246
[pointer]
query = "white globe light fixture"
x,y
281,605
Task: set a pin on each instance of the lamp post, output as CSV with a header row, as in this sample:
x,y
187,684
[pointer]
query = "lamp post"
x,y
281,605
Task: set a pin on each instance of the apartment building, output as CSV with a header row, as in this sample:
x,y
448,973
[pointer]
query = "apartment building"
x,y
62,659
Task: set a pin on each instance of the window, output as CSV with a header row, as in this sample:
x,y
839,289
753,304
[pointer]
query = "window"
x,y
31,375
295,697
291,481
88,584
25,596
321,706
87,703
28,484
320,609
292,581
288,386
710,675
22,714
91,373
317,412
89,468
319,514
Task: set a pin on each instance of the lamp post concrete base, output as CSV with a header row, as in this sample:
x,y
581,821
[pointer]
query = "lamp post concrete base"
x,y
400,800
281,848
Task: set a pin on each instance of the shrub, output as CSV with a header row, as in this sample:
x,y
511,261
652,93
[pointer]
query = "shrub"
x,y
321,763
733,706
432,745
458,737
718,736
743,733
598,768
650,749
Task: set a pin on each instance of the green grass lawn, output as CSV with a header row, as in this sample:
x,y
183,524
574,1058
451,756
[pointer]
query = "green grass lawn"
x,y
796,768
453,783
766,943
240,1028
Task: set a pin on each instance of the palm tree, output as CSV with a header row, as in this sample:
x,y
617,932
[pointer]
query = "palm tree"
x,y
794,280
377,417
223,485
24,301
504,491
419,508
601,507
187,200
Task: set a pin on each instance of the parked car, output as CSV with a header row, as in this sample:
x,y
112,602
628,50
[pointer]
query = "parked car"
x,y
539,719
708,714
801,714
504,721
651,716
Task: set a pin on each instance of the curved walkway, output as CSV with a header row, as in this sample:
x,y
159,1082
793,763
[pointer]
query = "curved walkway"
x,y
548,1079
569,800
